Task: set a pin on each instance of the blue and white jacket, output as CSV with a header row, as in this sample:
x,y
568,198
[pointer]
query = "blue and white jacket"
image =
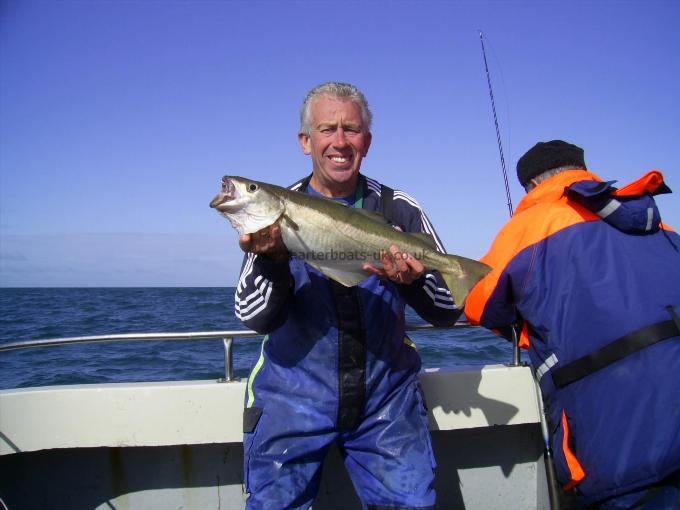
x,y
338,351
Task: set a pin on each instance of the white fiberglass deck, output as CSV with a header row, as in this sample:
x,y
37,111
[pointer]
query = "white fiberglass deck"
x,y
178,444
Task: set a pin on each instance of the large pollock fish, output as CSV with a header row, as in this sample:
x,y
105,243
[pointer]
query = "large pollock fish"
x,y
336,239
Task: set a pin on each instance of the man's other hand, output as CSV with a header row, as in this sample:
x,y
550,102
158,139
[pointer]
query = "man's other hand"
x,y
399,267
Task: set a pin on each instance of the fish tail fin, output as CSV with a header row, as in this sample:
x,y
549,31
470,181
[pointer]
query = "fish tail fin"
x,y
460,275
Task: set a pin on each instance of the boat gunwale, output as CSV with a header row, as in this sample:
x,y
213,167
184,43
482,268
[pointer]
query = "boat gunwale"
x,y
188,335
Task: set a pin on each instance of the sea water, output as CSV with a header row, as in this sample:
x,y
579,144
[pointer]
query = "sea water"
x,y
31,314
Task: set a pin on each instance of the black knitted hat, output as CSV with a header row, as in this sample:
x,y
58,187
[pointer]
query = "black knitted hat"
x,y
547,155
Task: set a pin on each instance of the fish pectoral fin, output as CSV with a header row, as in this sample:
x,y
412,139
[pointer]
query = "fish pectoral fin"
x,y
425,238
289,221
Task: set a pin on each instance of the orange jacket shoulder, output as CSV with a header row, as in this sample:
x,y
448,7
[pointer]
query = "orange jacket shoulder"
x,y
543,212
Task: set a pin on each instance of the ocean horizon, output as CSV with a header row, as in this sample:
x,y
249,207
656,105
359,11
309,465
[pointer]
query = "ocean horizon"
x,y
33,313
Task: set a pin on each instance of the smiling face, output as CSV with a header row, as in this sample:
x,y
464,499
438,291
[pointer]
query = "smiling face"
x,y
337,143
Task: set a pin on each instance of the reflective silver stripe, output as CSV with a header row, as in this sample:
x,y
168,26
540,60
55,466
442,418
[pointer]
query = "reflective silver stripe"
x,y
650,217
438,303
611,206
547,365
247,269
442,293
373,185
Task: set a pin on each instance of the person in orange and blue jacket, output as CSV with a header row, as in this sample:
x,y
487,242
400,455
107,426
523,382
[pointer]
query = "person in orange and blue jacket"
x,y
590,276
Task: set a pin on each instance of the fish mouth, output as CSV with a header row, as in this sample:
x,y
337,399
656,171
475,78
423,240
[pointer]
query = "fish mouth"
x,y
224,197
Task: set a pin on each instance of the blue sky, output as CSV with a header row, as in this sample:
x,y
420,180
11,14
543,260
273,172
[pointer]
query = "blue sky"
x,y
118,119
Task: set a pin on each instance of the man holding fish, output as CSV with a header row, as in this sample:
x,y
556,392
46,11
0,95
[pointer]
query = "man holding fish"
x,y
336,365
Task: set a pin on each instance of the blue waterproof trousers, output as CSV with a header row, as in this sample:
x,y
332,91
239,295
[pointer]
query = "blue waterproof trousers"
x,y
388,456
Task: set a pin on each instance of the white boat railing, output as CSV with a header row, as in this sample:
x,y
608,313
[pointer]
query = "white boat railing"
x,y
227,338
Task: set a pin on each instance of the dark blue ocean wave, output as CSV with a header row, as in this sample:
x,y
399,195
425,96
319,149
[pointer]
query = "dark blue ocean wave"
x,y
29,314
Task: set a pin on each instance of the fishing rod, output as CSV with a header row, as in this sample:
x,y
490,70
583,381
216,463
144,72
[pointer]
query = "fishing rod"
x,y
551,475
498,132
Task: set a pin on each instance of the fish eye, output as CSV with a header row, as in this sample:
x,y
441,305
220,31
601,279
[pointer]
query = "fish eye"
x,y
252,187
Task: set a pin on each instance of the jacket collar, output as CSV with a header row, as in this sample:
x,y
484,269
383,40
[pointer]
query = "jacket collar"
x,y
553,189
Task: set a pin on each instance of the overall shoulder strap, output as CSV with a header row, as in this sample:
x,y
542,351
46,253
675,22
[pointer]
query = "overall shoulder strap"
x,y
387,198
301,185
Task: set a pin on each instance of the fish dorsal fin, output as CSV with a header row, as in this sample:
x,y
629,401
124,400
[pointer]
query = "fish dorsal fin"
x,y
426,238
375,216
